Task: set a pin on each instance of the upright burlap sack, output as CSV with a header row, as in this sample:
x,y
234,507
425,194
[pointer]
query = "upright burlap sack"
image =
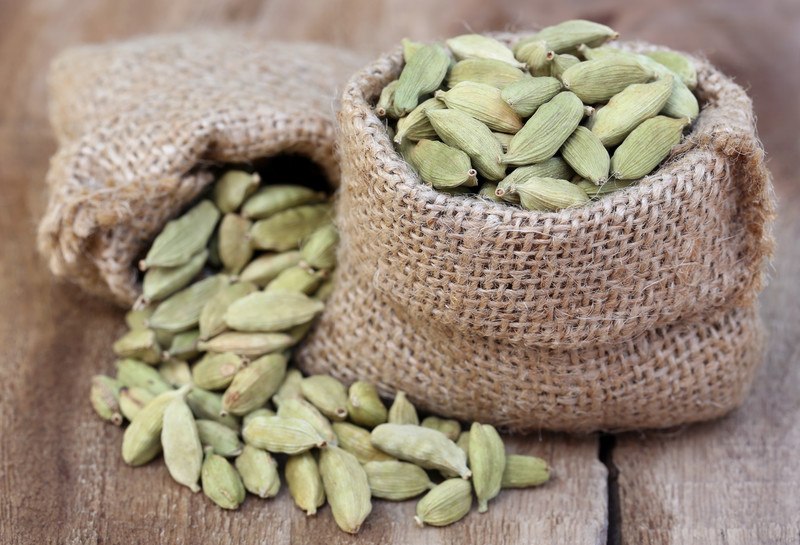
x,y
138,122
636,311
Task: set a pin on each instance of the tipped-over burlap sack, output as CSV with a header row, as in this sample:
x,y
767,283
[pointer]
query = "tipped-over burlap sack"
x,y
137,122
635,311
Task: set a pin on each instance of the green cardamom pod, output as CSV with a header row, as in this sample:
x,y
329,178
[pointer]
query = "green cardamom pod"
x,y
291,388
447,503
302,409
161,282
141,441
137,317
184,346
463,442
546,131
183,453
646,146
263,411
104,396
208,405
297,279
139,344
271,312
681,102
255,384
598,191
327,394
397,481
219,437
132,373
233,188
346,486
183,237
527,94
235,250
216,371
679,64
477,46
450,428
175,372
357,442
461,131
538,55
561,63
305,482
259,472
487,459
484,103
524,471
221,482
503,138
182,310
325,290
442,166
627,109
319,251
287,229
247,345
489,191
211,321
402,411
422,74
598,80
410,47
585,153
425,447
385,105
282,434
132,400
568,35
416,125
364,405
278,198
491,72
549,194
263,269
555,167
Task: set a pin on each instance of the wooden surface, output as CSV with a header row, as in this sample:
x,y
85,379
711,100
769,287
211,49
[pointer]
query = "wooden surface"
x,y
734,481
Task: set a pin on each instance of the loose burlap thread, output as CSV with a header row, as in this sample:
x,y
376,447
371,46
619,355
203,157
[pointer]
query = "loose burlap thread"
x,y
138,122
637,311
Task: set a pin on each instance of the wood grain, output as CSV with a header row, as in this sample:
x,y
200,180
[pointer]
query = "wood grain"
x,y
61,477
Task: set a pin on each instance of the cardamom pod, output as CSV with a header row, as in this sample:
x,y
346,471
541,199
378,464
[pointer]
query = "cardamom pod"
x,y
302,409
327,394
527,94
598,80
546,130
211,321
161,282
646,146
524,471
305,482
263,269
585,153
450,428
235,250
291,388
356,441
252,386
402,410
397,481
445,504
463,443
282,434
422,74
184,346
488,191
364,405
596,192
681,102
442,166
285,230
568,35
247,345
219,437
425,447
137,317
416,125
182,310
216,371
549,194
263,411
385,105
627,109
491,72
484,103
132,400
259,472
276,198
410,47
477,46
503,138
132,373
538,55
271,312
175,372
221,481
141,441
487,459
139,344
561,63
295,279
346,485
461,131
233,188
208,405
679,64
183,453
555,167
319,251
104,396
183,237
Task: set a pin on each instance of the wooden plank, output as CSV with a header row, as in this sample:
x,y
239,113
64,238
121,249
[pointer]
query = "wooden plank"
x,y
61,476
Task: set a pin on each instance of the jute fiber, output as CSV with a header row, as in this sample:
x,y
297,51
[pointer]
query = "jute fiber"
x,y
138,122
636,311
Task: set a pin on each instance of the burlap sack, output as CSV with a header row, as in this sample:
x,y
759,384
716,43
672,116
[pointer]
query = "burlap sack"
x,y
636,311
138,123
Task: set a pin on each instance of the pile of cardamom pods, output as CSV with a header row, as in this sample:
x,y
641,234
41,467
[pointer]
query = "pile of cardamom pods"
x,y
554,122
205,365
